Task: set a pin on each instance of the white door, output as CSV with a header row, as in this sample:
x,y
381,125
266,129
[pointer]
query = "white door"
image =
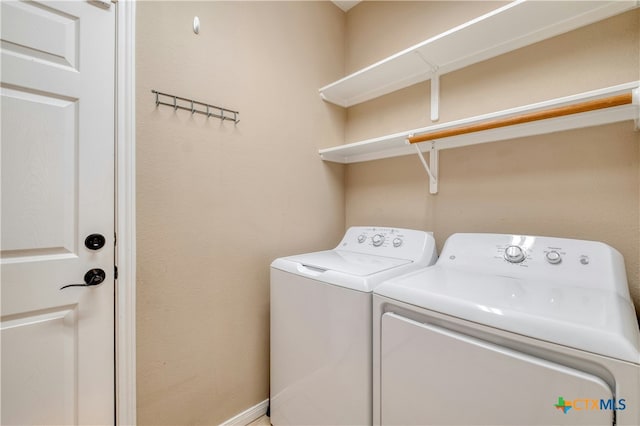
x,y
57,159
434,376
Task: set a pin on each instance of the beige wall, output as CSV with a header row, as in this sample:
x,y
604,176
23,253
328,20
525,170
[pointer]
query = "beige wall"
x,y
217,202
577,184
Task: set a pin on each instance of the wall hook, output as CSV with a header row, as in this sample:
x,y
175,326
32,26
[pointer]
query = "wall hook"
x,y
196,25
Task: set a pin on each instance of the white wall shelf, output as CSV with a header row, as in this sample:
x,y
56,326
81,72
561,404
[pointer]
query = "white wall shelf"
x,y
396,144
508,28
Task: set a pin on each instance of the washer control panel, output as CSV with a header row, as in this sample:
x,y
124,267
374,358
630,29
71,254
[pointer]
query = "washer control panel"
x,y
590,263
390,242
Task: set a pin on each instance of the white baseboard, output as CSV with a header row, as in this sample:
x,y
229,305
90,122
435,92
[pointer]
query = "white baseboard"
x,y
249,415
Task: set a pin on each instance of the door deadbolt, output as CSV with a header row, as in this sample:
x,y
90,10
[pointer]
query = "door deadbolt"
x,y
95,241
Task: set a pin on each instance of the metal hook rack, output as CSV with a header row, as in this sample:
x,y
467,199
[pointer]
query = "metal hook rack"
x,y
209,110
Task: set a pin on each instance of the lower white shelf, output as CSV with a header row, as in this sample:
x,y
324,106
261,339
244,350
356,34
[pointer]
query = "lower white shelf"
x,y
396,144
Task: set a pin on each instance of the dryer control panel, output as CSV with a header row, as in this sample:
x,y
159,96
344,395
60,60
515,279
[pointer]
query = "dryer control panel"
x,y
390,242
591,264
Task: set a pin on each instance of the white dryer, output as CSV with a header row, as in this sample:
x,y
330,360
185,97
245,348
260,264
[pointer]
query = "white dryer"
x,y
321,324
508,330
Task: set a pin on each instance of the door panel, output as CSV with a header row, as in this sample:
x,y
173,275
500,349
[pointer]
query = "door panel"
x,y
57,159
40,200
61,44
40,350
433,376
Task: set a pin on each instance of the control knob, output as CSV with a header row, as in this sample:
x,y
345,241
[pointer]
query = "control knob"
x,y
377,240
553,257
397,242
514,254
362,238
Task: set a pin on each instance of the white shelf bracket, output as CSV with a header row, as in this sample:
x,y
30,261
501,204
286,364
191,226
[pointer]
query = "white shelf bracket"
x,y
435,88
635,100
433,162
432,167
435,95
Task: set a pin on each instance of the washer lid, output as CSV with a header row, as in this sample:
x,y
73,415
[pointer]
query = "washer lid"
x,y
595,320
347,262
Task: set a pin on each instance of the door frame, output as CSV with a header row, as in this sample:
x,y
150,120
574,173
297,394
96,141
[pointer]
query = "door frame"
x,y
125,214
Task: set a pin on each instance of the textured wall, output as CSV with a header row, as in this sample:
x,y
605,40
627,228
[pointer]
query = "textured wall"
x,y
217,202
578,184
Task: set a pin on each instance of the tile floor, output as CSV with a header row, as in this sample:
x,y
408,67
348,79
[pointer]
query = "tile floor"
x,y
262,421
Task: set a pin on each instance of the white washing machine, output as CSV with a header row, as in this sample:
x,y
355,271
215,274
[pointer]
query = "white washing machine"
x,y
508,330
321,324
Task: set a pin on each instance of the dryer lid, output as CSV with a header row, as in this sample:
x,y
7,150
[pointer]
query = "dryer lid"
x,y
347,262
594,320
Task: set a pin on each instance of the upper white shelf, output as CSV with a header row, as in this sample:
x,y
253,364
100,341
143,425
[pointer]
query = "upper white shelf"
x,y
396,144
508,28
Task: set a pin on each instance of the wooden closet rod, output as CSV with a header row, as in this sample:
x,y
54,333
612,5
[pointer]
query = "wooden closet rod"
x,y
593,105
